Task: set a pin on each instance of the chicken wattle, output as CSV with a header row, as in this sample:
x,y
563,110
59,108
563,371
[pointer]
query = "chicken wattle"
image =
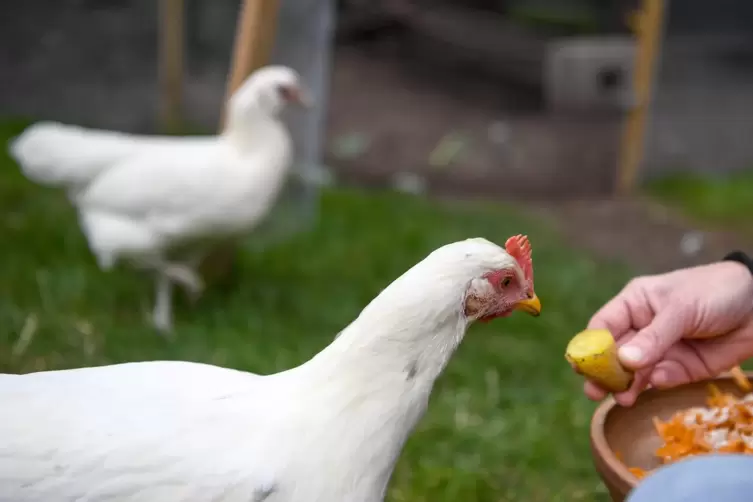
x,y
329,430
160,202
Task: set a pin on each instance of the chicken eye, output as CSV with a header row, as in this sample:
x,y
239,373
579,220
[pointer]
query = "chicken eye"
x,y
506,282
286,92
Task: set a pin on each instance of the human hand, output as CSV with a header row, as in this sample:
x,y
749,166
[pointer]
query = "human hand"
x,y
679,327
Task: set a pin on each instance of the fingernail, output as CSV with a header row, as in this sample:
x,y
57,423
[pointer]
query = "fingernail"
x,y
631,354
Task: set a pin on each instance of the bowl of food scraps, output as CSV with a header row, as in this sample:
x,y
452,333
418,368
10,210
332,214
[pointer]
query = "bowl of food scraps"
x,y
663,426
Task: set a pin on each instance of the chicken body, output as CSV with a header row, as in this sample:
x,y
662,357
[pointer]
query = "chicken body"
x,y
161,202
329,430
177,431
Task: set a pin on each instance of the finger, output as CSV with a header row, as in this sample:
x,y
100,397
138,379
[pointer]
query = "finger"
x,y
695,360
670,373
721,353
627,310
640,381
651,343
626,337
614,316
593,391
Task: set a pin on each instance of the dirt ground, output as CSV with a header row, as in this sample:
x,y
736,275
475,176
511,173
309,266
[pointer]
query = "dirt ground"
x,y
393,113
642,233
388,117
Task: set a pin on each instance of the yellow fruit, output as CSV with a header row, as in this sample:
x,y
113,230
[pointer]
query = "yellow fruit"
x,y
593,353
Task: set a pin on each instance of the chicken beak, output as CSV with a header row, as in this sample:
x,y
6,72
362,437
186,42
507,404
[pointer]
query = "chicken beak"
x,y
303,98
530,306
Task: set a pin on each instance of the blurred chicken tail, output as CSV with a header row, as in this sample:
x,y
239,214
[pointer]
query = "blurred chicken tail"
x,y
56,154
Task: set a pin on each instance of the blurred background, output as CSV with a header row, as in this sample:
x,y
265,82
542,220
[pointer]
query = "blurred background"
x,y
612,132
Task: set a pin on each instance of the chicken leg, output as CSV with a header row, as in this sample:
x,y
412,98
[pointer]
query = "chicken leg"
x,y
167,274
162,316
186,276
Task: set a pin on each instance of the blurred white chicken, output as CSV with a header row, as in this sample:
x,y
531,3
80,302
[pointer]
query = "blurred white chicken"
x,y
160,201
330,430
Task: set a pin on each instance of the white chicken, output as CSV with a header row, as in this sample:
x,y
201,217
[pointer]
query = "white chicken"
x,y
330,430
159,201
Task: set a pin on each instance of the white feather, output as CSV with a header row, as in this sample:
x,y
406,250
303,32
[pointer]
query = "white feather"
x,y
329,430
204,188
65,155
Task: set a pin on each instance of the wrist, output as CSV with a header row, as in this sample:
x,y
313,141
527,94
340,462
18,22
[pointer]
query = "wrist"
x,y
741,258
744,266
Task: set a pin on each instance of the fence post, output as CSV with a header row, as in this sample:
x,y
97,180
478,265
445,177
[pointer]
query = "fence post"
x,y
254,38
647,24
171,60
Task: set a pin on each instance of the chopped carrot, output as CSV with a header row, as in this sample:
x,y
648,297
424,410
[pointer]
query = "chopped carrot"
x,y
637,472
740,379
725,425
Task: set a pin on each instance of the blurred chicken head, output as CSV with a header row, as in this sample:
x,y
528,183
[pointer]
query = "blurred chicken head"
x,y
269,90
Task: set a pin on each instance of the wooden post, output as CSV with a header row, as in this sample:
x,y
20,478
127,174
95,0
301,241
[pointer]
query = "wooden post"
x,y
254,39
647,24
171,59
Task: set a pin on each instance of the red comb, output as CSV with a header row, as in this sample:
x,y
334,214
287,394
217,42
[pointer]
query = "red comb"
x,y
519,248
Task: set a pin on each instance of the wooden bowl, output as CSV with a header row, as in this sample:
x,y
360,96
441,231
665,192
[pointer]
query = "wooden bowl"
x,y
629,432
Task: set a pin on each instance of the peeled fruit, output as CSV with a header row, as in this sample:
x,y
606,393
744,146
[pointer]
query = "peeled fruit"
x,y
593,353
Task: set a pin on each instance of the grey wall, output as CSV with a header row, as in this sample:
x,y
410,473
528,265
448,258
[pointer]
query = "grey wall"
x,y
81,61
703,108
94,62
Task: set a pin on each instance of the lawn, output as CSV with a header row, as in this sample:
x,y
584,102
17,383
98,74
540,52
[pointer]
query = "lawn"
x,y
717,200
507,421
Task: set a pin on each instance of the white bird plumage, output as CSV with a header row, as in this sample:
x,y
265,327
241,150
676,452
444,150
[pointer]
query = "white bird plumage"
x,y
158,201
328,430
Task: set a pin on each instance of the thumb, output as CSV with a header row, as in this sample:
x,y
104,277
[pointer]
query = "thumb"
x,y
650,344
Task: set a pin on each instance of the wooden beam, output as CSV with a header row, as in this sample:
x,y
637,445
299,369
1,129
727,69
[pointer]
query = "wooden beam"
x,y
254,38
647,25
171,60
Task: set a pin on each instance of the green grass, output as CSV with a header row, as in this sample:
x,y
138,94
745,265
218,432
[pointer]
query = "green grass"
x,y
566,21
723,200
507,421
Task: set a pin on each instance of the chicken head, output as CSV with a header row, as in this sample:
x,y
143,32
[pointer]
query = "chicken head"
x,y
269,90
501,292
